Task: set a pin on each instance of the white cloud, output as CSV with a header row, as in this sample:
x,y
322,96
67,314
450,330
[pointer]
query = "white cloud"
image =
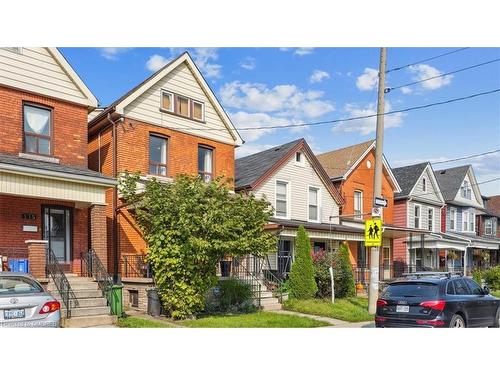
x,y
284,100
303,51
156,62
367,125
250,149
248,63
244,119
203,57
424,71
406,90
111,53
318,76
368,80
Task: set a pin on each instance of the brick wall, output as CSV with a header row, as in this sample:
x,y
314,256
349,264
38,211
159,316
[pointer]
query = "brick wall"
x,y
400,219
133,155
69,126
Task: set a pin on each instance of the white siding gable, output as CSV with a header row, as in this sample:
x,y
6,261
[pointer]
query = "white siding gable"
x,y
431,193
37,70
475,200
424,216
146,107
299,178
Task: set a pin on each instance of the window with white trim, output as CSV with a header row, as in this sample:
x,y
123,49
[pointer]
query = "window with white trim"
x,y
472,221
37,129
466,190
205,163
465,221
488,226
430,219
424,185
167,101
182,105
157,155
313,204
416,221
453,218
281,199
358,204
198,110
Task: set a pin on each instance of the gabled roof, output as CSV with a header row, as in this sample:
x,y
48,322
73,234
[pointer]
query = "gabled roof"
x,y
409,175
340,163
252,170
58,56
120,104
450,180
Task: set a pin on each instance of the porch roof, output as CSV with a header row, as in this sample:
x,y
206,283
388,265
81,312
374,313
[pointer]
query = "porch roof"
x,y
439,241
318,230
479,242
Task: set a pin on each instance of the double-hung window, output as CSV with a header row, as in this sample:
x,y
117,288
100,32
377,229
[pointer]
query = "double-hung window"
x,y
417,217
466,191
358,205
488,226
158,155
465,221
424,185
430,219
198,110
205,163
472,221
313,204
281,199
37,129
453,218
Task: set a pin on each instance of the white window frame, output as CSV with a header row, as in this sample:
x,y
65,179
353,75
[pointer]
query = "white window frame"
x,y
453,214
318,203
302,158
472,220
189,105
202,110
465,221
429,209
424,185
490,222
288,196
172,96
419,216
356,216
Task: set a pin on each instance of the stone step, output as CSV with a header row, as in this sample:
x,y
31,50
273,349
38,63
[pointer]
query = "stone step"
x,y
88,321
76,285
268,301
272,307
80,293
266,294
90,302
87,311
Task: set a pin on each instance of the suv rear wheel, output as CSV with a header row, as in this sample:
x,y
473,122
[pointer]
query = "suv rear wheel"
x,y
457,322
496,324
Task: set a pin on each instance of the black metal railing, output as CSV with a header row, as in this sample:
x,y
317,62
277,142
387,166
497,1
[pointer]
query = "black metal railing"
x,y
54,270
91,266
248,276
136,266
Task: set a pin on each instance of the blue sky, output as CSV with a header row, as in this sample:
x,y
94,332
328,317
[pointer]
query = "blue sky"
x,y
278,86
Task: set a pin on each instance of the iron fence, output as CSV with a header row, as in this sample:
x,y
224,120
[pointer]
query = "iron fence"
x,y
136,266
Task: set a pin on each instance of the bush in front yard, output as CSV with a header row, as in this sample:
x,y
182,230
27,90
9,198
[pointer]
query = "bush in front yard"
x,y
301,279
477,275
492,278
343,274
230,296
322,261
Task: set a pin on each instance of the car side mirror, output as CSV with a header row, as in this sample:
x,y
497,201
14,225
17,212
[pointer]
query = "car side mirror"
x,y
486,290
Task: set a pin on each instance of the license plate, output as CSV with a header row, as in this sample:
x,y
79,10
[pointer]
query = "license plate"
x,y
403,309
13,314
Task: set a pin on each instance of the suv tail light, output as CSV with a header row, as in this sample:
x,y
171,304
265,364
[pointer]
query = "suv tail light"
x,y
49,307
381,302
435,323
434,305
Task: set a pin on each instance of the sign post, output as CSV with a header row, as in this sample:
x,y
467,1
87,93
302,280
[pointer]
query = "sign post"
x,y
333,284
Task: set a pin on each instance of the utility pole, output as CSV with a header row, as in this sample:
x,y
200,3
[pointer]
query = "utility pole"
x,y
377,181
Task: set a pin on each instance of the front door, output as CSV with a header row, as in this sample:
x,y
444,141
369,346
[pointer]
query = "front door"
x,y
284,257
57,230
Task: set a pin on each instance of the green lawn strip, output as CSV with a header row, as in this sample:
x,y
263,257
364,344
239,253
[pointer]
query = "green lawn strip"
x,y
136,322
254,320
495,293
353,309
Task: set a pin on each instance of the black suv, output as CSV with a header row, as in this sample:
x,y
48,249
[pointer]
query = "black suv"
x,y
429,299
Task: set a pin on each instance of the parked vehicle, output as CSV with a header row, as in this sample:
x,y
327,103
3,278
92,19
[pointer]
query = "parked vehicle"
x,y
24,303
436,300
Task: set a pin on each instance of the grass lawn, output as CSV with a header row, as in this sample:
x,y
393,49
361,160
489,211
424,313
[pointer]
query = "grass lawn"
x,y
495,293
135,322
353,309
254,320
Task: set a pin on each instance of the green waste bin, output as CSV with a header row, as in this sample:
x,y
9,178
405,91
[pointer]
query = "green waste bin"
x,y
115,300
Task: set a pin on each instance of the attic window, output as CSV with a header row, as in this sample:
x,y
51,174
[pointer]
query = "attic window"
x,y
466,191
424,185
167,101
182,105
299,158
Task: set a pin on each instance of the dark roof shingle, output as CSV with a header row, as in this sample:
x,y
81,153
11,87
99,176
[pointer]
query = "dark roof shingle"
x,y
407,177
450,180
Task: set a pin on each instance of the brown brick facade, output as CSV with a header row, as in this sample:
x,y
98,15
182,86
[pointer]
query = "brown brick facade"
x,y
36,257
69,132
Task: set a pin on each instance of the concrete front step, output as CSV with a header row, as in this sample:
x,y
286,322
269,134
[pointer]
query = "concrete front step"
x,y
272,307
75,285
268,301
88,321
89,302
80,293
87,311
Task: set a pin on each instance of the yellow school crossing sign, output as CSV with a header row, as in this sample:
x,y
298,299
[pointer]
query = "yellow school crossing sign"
x,y
373,232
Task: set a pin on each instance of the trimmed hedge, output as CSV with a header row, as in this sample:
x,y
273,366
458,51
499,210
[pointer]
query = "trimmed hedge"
x,y
301,279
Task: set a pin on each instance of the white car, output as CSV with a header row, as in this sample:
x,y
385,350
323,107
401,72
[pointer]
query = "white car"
x,y
24,303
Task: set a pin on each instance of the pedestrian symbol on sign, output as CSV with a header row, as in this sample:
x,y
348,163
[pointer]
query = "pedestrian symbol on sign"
x,y
373,232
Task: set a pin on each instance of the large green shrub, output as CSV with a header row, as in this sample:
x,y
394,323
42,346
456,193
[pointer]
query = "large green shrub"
x,y
322,262
492,278
477,275
230,296
343,273
189,225
301,279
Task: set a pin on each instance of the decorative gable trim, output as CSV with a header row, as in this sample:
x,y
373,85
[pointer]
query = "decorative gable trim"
x,y
430,172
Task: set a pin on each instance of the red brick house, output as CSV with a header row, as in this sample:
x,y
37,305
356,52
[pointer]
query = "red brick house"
x,y
170,124
48,196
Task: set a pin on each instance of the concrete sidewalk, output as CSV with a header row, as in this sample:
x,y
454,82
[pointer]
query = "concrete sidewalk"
x,y
334,323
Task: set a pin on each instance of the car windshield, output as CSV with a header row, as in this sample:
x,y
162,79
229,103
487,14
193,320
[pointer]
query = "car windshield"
x,y
18,285
411,290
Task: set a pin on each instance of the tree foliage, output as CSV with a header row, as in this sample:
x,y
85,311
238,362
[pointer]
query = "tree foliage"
x,y
343,274
301,282
189,225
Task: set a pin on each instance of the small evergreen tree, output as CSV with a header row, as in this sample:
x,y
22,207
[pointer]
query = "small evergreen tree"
x,y
302,283
343,275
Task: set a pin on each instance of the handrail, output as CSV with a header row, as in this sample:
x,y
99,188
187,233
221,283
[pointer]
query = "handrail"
x,y
249,278
55,271
91,266
138,267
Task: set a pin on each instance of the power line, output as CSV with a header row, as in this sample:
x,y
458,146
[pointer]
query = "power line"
x,y
389,89
467,157
425,60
